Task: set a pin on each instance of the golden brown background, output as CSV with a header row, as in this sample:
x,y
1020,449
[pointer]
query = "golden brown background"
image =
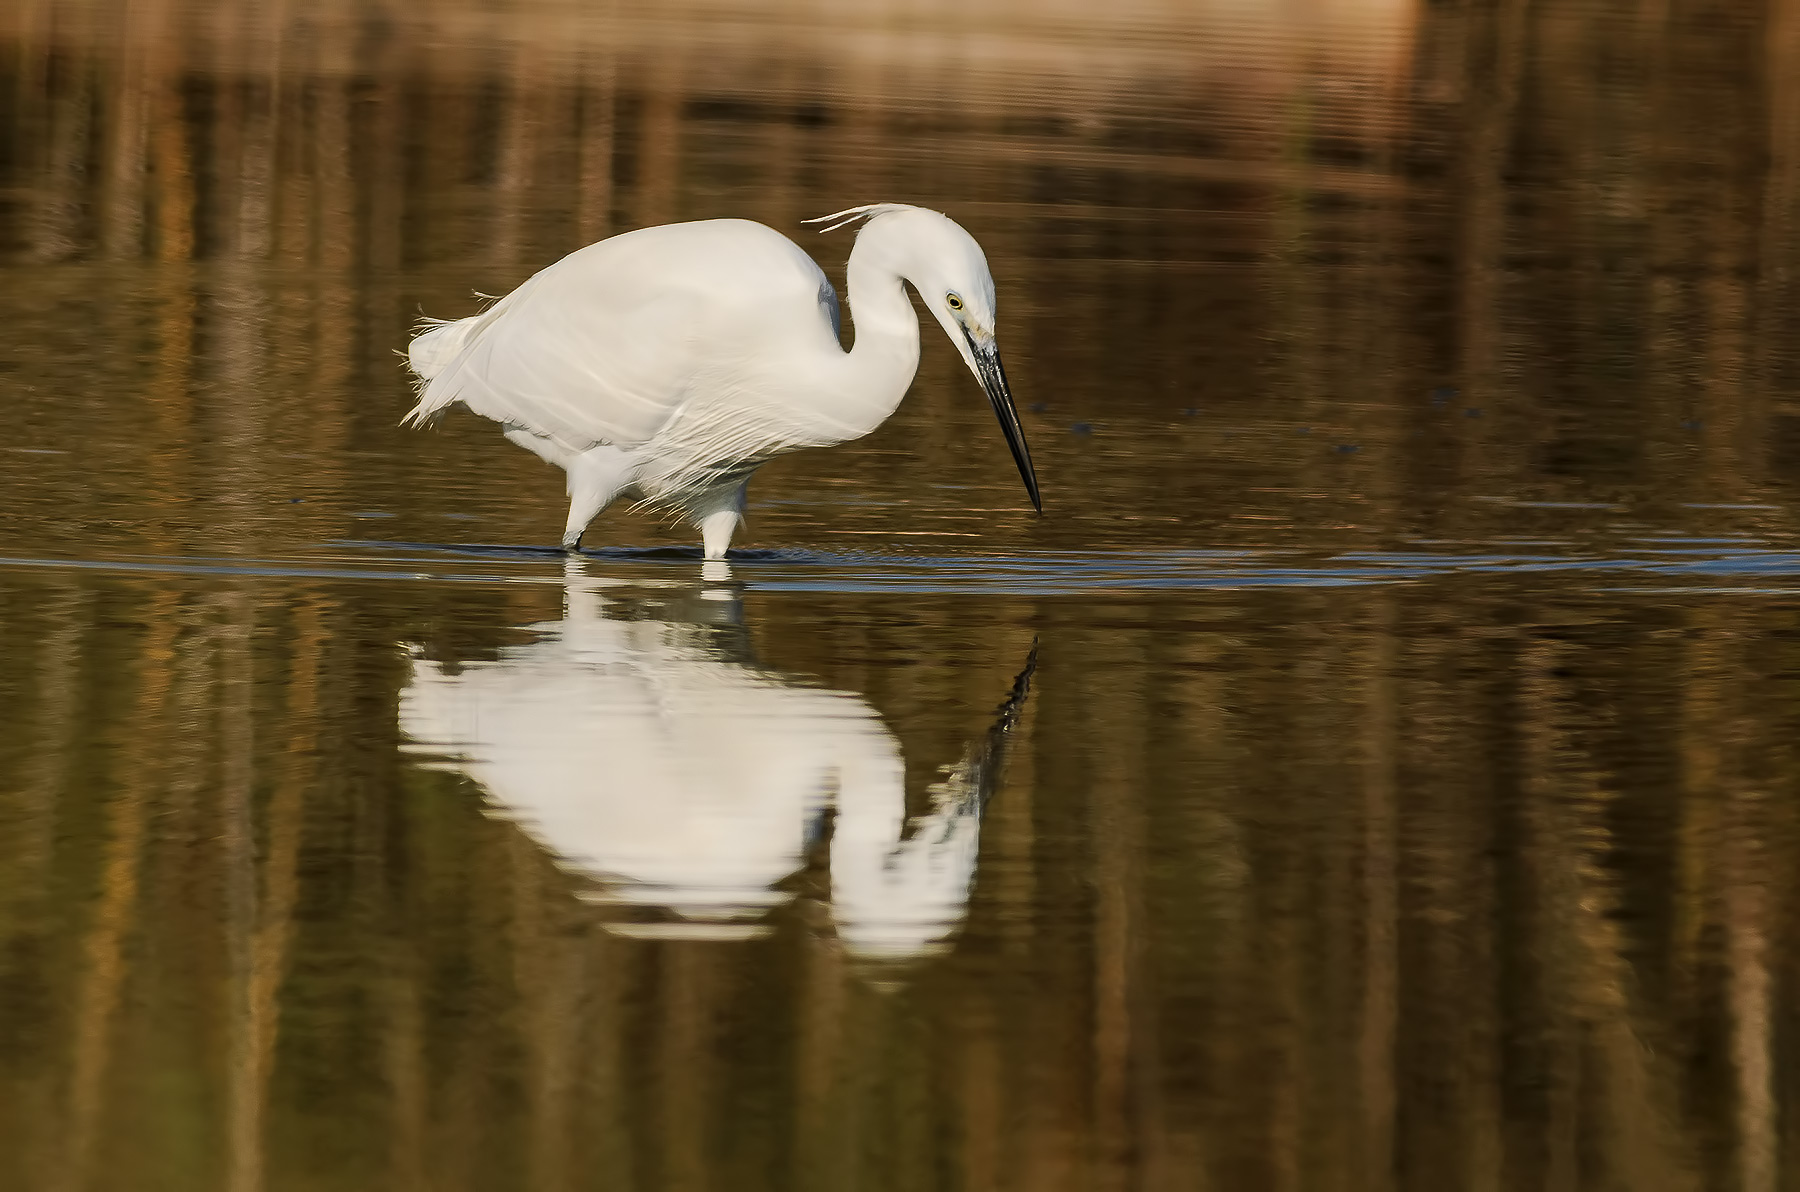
x,y
1447,878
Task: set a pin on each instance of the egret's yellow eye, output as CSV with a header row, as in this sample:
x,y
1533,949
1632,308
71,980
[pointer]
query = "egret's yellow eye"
x,y
954,301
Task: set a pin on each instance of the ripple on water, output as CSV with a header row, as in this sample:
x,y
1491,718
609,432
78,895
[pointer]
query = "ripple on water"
x,y
1694,563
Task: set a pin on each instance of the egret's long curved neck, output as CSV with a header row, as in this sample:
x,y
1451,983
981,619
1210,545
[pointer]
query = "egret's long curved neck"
x,y
896,897
879,368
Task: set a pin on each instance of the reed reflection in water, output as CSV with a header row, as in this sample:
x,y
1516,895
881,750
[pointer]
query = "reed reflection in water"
x,y
1457,889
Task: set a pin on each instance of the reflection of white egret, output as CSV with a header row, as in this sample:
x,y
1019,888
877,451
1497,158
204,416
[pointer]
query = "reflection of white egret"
x,y
673,361
642,755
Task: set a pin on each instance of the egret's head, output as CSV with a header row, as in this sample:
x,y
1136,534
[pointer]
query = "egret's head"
x,y
950,271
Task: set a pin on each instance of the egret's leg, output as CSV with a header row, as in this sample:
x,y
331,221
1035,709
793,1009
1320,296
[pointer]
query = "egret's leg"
x,y
716,529
595,478
718,523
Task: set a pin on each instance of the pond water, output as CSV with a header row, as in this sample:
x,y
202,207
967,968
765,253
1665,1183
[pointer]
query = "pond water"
x,y
1376,768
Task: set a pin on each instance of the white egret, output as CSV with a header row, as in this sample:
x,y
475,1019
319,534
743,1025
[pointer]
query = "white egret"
x,y
670,362
685,781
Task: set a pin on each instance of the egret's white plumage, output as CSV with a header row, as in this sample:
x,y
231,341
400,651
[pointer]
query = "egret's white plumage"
x,y
683,780
671,361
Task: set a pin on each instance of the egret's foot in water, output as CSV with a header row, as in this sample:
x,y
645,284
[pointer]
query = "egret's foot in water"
x,y
717,526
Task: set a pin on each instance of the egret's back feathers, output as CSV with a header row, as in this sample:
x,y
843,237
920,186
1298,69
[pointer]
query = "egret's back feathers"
x,y
648,340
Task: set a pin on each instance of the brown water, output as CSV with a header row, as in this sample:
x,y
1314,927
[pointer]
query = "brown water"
x,y
1376,768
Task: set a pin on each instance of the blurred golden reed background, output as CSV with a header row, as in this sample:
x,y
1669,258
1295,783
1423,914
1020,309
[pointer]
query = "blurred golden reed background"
x,y
1578,218
1470,882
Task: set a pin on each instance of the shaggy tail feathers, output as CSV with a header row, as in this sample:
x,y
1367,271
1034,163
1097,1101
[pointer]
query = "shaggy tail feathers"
x,y
438,344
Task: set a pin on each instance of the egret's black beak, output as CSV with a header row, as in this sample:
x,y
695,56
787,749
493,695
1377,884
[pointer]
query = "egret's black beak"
x,y
993,380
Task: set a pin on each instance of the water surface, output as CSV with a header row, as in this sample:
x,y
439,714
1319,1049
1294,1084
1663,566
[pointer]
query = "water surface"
x,y
1374,770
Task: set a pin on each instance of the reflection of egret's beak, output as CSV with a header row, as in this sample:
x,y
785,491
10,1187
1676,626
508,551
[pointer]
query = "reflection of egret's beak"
x,y
898,902
986,356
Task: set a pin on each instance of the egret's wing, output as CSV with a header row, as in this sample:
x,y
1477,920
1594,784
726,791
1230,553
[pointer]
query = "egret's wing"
x,y
609,343
570,356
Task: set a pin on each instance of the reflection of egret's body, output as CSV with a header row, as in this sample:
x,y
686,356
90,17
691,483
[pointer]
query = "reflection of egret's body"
x,y
640,754
673,361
